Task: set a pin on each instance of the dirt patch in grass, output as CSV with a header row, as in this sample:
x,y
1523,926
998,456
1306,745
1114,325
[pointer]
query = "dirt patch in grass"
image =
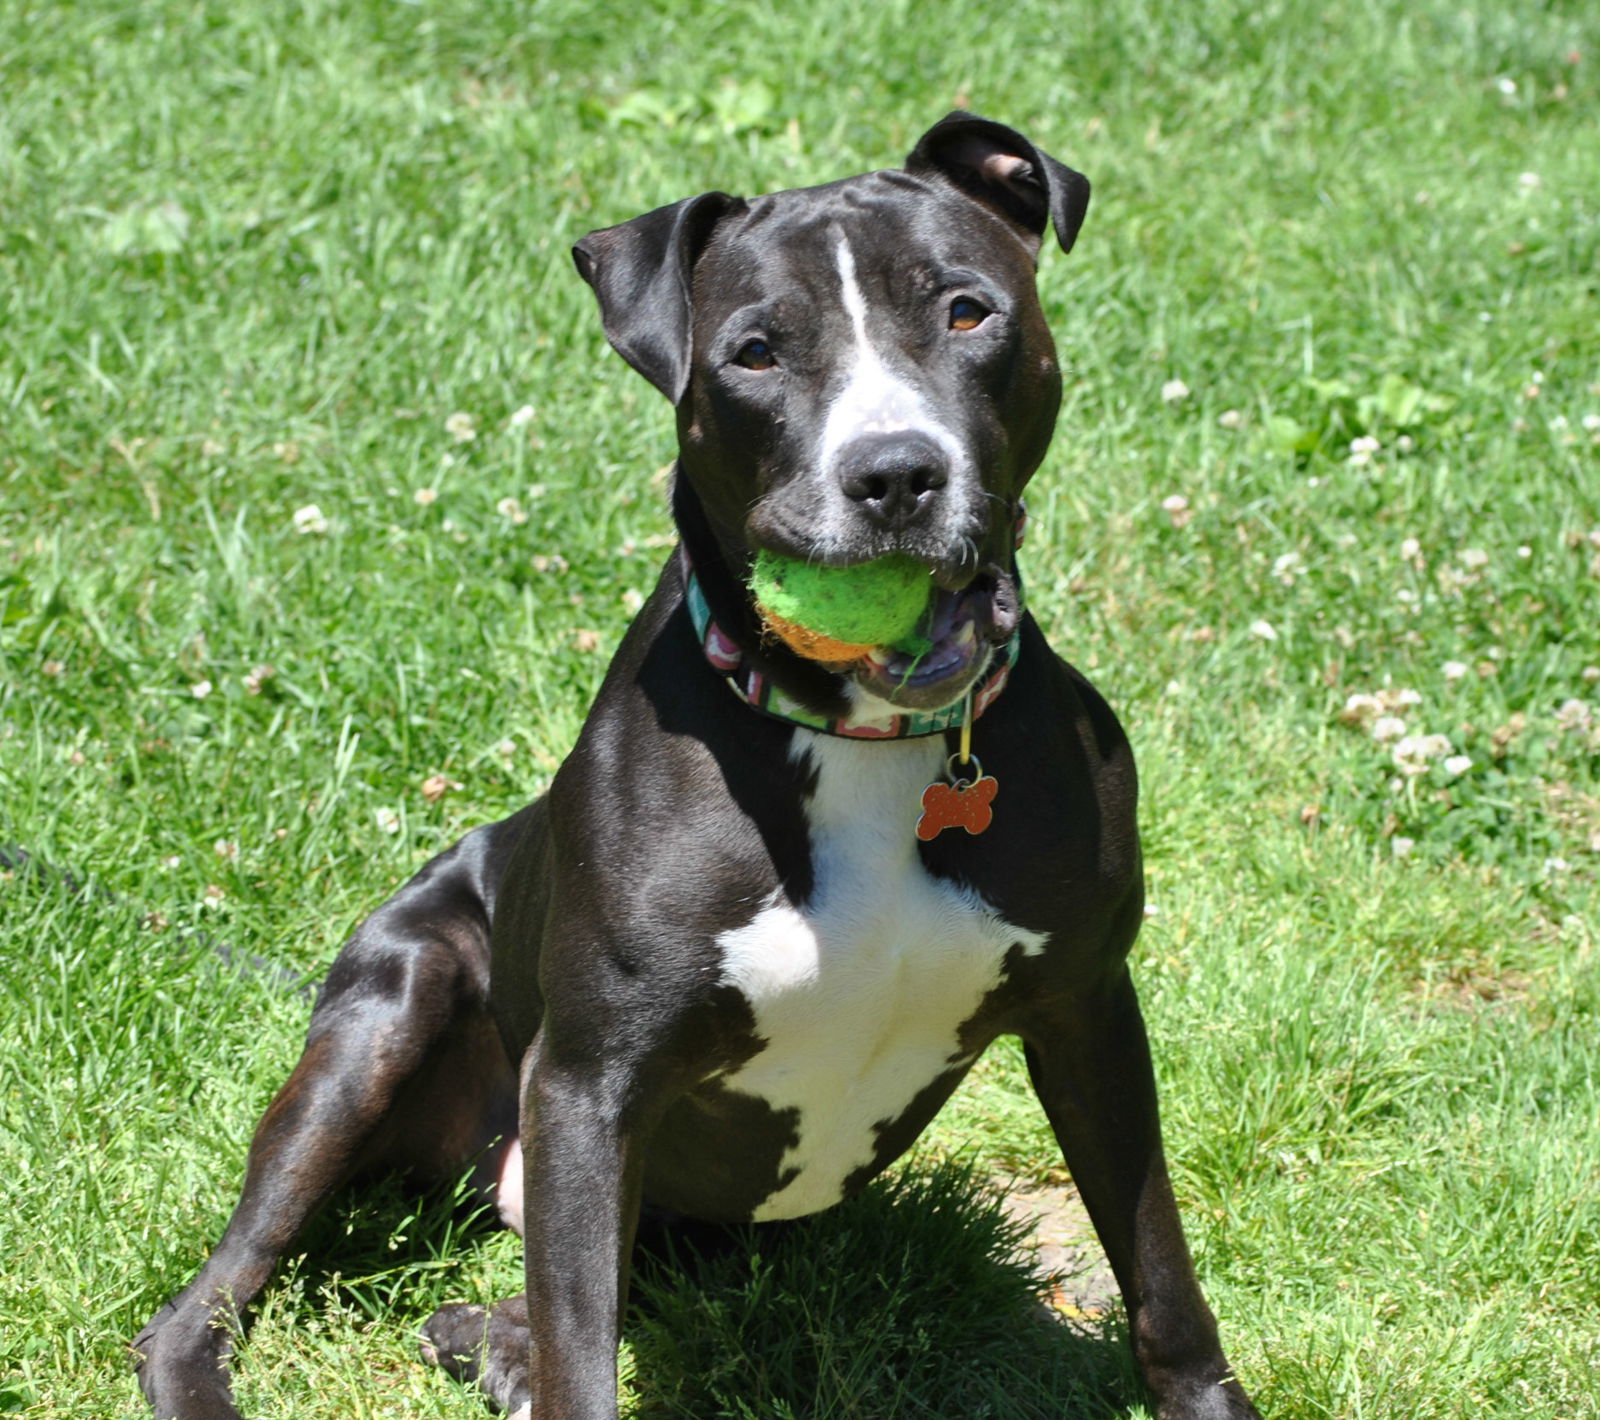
x,y
1067,1251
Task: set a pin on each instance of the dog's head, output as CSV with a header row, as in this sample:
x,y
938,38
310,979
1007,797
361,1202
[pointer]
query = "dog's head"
x,y
860,369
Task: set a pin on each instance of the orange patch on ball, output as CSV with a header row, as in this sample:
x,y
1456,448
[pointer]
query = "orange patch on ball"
x,y
813,645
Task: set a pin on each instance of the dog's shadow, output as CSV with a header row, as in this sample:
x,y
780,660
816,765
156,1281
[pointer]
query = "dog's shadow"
x,y
915,1299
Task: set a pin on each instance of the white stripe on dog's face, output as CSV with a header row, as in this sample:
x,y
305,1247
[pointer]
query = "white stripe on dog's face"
x,y
873,399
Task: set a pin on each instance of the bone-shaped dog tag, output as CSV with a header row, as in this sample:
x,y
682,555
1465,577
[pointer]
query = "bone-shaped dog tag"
x,y
958,802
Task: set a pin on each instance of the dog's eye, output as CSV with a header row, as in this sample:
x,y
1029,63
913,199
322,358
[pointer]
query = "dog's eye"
x,y
755,355
966,314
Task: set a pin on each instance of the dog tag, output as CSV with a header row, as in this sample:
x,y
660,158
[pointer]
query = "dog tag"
x,y
957,801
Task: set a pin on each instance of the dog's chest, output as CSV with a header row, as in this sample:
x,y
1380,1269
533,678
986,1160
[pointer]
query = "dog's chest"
x,y
860,993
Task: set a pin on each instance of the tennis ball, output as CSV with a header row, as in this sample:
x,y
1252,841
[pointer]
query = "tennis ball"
x,y
839,613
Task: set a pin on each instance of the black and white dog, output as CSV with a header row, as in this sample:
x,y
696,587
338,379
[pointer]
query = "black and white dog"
x,y
771,909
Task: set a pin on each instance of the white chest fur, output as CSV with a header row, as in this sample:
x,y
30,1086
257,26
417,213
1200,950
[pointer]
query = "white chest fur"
x,y
861,993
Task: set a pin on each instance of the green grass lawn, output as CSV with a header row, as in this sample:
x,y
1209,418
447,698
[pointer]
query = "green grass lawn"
x,y
318,483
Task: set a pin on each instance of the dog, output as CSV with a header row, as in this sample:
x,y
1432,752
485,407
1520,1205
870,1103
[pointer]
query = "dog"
x,y
772,907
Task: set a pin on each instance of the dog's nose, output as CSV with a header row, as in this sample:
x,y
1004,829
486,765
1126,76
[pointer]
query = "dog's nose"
x,y
894,477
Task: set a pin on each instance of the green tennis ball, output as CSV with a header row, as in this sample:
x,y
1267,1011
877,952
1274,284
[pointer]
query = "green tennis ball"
x,y
873,604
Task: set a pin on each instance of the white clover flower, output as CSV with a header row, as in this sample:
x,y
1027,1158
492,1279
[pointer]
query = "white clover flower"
x,y
1412,753
511,508
1591,422
1231,419
1405,443
1177,509
522,417
309,519
1404,697
1361,709
1410,549
1263,631
200,689
1362,449
1457,764
1529,182
424,496
1401,846
1574,717
1388,727
387,820
259,676
461,427
1454,670
1173,391
1506,84
1590,674
1408,755
1474,558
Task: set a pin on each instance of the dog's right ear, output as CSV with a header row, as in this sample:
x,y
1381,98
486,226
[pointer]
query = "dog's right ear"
x,y
642,273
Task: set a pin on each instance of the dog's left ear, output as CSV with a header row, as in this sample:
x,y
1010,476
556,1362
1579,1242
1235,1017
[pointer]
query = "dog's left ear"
x,y
642,273
998,167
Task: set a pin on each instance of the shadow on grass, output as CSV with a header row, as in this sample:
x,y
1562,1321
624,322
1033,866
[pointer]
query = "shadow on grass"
x,y
911,1300
914,1299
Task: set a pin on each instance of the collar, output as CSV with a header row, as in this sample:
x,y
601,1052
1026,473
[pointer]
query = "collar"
x,y
758,691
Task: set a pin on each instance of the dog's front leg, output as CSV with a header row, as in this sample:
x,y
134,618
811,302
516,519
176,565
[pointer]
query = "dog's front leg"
x,y
1090,1063
583,1165
552,1353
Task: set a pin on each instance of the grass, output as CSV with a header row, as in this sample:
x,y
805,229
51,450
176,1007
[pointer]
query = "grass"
x,y
252,260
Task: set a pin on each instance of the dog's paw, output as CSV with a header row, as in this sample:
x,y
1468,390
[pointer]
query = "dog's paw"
x,y
486,1347
180,1358
1216,1401
453,1334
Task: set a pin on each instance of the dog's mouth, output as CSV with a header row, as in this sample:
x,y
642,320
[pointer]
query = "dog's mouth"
x,y
950,648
